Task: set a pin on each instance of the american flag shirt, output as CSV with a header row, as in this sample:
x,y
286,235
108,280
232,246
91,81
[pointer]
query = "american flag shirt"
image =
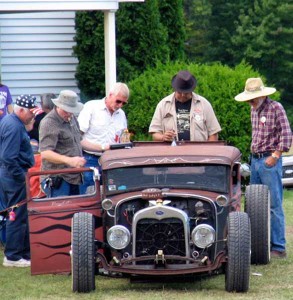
x,y
270,128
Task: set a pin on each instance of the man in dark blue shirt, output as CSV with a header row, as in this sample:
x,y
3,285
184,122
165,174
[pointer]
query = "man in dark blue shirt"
x,y
16,157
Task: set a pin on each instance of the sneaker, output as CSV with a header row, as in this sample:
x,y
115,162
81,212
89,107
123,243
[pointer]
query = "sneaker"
x,y
21,263
278,254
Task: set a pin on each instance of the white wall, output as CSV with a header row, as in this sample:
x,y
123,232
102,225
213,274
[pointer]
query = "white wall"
x,y
36,52
55,5
36,48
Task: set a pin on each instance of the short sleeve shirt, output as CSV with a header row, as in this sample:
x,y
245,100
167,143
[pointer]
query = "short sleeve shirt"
x,y
63,138
203,121
99,125
5,100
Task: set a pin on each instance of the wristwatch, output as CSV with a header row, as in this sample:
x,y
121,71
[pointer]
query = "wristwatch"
x,y
276,157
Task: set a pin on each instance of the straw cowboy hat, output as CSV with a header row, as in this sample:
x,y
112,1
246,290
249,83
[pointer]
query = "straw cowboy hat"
x,y
68,101
254,88
184,82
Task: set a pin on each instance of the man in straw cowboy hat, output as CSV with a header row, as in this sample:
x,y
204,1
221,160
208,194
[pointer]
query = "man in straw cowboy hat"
x,y
60,145
271,135
184,115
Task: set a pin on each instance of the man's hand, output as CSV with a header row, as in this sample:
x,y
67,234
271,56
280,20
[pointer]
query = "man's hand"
x,y
76,162
168,136
271,161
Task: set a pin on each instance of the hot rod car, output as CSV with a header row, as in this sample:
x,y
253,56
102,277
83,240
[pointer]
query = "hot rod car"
x,y
162,211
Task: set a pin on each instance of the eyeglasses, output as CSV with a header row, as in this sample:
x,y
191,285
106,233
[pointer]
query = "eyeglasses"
x,y
120,102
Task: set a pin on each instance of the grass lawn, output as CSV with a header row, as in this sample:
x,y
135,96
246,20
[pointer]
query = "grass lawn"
x,y
273,281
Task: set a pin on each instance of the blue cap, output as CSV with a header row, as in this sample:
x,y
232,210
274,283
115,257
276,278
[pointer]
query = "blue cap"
x,y
27,101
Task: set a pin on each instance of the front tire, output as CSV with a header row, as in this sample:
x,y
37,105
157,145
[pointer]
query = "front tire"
x,y
83,253
238,247
257,206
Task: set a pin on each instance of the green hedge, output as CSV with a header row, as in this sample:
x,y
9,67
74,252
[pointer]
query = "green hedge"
x,y
217,83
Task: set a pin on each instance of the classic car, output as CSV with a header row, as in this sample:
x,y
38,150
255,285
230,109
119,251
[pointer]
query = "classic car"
x,y
287,174
162,211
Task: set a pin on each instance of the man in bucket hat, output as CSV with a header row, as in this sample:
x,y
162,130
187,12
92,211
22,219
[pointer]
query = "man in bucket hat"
x,y
184,115
271,135
60,145
16,157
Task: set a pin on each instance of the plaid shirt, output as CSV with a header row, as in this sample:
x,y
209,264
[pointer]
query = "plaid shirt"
x,y
270,128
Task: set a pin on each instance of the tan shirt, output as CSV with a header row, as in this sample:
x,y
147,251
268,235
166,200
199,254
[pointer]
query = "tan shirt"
x,y
203,121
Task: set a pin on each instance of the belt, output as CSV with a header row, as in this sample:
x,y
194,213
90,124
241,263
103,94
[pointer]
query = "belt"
x,y
91,154
261,154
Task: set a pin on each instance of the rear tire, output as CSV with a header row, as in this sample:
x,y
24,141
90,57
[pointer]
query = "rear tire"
x,y
238,247
83,253
257,206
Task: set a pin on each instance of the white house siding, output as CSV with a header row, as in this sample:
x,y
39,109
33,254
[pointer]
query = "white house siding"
x,y
61,5
36,52
36,39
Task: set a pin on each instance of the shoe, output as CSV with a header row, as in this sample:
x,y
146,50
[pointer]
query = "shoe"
x,y
21,263
278,254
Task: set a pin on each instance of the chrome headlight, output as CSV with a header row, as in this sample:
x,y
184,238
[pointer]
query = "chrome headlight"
x,y
118,237
222,200
107,204
203,235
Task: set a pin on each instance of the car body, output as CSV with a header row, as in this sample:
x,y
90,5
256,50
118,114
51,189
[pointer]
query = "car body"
x,y
287,174
163,211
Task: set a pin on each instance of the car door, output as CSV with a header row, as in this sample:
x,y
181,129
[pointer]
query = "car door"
x,y
50,227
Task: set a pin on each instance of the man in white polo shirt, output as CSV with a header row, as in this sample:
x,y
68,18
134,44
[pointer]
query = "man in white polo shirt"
x,y
102,122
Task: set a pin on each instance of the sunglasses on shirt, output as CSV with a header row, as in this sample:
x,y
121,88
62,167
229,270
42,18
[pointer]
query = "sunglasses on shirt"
x,y
121,102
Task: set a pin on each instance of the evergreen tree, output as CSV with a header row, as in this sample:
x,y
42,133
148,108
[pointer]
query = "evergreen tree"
x,y
223,20
173,19
197,18
141,40
264,39
89,49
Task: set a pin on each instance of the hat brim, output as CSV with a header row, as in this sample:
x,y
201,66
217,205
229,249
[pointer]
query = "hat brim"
x,y
246,96
71,109
180,90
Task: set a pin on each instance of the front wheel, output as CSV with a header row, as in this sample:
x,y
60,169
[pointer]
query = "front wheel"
x,y
238,248
83,253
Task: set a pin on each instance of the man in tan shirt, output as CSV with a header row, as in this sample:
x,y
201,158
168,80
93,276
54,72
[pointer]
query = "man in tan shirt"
x,y
184,115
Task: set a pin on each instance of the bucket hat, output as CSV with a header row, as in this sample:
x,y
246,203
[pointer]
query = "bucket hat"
x,y
184,82
68,101
254,88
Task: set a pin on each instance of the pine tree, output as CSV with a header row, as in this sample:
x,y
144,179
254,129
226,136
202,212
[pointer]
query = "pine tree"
x,y
89,49
141,40
197,18
264,39
172,18
223,20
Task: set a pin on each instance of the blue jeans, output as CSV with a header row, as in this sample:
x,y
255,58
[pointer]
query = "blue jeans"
x,y
88,177
272,177
17,232
65,189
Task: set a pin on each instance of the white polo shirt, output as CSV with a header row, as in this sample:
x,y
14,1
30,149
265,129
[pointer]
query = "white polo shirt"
x,y
99,125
